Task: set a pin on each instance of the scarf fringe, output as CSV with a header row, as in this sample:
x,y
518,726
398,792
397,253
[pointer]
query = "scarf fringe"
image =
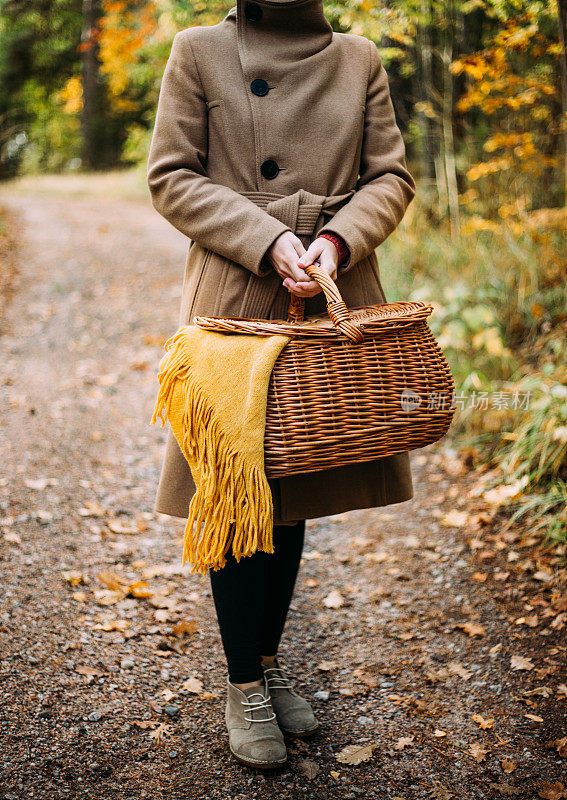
x,y
233,501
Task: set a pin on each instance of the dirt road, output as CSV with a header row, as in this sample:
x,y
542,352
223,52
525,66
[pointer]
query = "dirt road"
x,y
429,642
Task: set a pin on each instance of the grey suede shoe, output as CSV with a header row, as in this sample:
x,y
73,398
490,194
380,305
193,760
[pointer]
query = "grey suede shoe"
x,y
254,736
294,714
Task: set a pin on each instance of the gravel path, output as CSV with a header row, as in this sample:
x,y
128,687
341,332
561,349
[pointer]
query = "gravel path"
x,y
435,644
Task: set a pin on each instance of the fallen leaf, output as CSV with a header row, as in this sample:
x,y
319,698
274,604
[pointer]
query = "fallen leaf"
x,y
91,509
140,589
162,730
378,557
73,577
193,685
455,519
162,569
508,766
111,580
472,628
161,601
531,621
439,792
355,753
113,625
310,554
325,666
439,734
118,527
553,791
164,615
545,575
369,680
477,751
334,599
184,627
519,662
484,723
542,691
89,671
308,768
534,717
458,669
500,494
106,597
404,741
505,788
40,483
561,746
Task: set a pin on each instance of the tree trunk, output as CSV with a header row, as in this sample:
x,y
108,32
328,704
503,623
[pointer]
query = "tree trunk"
x,y
562,5
447,126
427,94
90,68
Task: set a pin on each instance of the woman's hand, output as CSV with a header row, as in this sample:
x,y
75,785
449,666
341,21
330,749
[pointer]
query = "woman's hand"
x,y
283,256
287,256
324,253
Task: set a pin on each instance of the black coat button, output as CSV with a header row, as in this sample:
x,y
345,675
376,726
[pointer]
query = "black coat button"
x,y
260,87
269,168
253,12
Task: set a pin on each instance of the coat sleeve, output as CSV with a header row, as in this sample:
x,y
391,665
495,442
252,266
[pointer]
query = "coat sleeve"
x,y
213,215
384,188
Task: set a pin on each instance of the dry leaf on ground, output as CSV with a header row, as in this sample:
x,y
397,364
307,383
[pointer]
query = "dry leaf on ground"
x,y
519,662
334,599
404,741
478,752
355,753
484,723
193,685
162,730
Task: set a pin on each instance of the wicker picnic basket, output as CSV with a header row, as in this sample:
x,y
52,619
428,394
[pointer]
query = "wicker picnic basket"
x,y
351,386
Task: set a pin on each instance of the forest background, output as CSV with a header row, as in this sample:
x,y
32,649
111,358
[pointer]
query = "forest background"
x,y
480,93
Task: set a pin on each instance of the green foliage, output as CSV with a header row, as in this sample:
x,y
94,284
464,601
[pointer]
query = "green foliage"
x,y
500,316
53,135
38,52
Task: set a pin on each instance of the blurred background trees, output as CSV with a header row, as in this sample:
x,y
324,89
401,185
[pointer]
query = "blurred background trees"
x,y
478,87
480,92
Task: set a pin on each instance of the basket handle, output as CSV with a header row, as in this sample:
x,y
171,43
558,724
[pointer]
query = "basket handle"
x,y
336,307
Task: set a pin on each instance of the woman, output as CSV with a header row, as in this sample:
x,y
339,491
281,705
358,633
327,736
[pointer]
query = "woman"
x,y
276,145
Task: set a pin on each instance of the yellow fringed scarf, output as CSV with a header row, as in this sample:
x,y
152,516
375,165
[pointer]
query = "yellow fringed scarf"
x,y
213,390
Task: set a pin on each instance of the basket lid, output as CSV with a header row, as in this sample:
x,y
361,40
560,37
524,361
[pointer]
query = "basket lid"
x,y
369,319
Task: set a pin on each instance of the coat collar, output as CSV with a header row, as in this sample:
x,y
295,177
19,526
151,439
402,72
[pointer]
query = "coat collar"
x,y
291,30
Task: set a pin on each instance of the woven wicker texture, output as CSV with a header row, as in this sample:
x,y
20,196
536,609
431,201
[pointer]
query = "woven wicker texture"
x,y
351,387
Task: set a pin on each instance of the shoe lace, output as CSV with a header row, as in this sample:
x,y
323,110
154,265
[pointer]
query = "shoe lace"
x,y
278,680
256,705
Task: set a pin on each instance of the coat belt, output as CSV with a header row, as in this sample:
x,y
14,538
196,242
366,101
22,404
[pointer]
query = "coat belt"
x,y
301,210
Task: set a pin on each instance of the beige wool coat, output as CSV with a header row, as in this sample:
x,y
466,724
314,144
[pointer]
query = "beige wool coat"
x,y
267,122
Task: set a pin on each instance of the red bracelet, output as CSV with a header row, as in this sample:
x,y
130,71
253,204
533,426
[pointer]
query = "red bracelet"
x,y
342,247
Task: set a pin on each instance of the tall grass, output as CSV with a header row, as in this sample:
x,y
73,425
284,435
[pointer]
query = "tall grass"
x,y
500,315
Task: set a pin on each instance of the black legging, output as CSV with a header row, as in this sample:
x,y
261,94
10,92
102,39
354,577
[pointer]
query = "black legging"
x,y
252,598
